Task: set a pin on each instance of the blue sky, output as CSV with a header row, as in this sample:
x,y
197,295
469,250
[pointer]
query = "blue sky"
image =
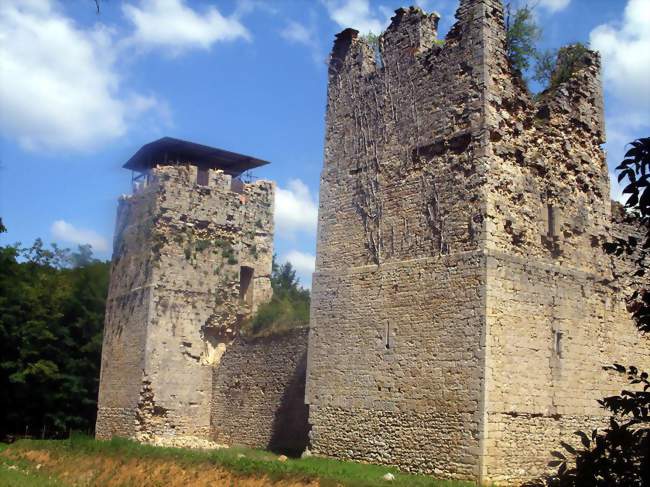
x,y
80,92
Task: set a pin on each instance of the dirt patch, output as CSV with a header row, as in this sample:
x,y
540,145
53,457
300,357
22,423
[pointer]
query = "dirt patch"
x,y
83,470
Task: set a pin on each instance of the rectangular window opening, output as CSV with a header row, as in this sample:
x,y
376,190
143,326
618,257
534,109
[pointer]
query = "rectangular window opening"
x,y
237,186
557,346
245,285
551,232
388,336
202,176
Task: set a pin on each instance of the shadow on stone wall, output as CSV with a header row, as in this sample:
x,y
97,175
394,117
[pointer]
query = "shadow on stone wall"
x,y
290,430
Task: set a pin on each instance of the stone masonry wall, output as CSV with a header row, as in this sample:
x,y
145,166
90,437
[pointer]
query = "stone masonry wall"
x,y
394,372
259,391
127,314
555,311
396,350
197,239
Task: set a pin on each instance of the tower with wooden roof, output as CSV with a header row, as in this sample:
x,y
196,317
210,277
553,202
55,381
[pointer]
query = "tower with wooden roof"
x,y
191,260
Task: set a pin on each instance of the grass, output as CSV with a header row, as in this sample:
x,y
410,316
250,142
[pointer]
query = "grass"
x,y
23,474
242,461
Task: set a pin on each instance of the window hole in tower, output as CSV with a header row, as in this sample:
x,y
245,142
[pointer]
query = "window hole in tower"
x,y
558,343
245,285
202,176
388,335
550,209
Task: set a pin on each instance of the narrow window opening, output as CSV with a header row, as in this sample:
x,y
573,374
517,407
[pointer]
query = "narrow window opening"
x,y
237,186
202,176
557,346
245,285
388,336
551,221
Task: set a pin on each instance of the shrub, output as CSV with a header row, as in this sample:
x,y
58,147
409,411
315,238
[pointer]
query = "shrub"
x,y
289,307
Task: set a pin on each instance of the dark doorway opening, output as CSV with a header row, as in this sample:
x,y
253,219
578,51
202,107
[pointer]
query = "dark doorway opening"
x,y
246,285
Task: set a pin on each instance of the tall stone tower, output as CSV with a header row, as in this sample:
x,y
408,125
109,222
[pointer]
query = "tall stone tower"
x,y
191,259
462,307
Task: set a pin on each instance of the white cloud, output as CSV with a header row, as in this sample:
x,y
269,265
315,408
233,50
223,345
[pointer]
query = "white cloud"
x,y
356,14
62,230
297,33
172,24
625,50
58,83
303,263
554,5
295,210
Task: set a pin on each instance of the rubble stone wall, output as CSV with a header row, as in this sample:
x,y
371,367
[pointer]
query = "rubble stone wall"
x,y
258,395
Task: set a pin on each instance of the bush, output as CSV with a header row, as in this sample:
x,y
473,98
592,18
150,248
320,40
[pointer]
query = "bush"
x,y
289,307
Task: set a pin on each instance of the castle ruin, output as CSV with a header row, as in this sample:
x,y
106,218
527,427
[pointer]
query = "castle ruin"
x,y
462,305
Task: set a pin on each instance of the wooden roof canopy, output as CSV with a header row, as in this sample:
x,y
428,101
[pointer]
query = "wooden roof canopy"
x,y
169,151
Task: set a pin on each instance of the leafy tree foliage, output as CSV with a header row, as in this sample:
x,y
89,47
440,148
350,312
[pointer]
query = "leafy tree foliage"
x,y
619,455
51,320
554,67
522,35
288,308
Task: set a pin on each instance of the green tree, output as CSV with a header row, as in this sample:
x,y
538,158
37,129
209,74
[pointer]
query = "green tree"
x,y
554,67
289,307
51,320
522,35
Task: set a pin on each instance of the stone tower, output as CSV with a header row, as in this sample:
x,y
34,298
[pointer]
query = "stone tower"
x,y
462,307
191,259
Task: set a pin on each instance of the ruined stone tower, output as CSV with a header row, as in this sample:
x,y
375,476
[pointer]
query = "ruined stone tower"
x,y
462,307
192,258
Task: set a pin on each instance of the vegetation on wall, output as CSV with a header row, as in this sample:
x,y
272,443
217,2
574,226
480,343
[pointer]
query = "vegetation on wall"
x,y
522,35
51,320
549,67
289,307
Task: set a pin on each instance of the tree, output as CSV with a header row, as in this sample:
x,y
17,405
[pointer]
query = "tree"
x,y
51,320
554,67
522,35
619,455
289,307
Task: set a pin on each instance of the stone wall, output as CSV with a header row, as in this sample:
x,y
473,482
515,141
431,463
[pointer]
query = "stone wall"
x,y
259,391
394,371
396,349
127,314
175,301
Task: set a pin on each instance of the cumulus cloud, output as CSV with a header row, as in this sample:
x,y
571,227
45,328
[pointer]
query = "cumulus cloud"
x,y
554,5
356,14
303,262
625,49
298,33
58,85
173,25
295,210
66,232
